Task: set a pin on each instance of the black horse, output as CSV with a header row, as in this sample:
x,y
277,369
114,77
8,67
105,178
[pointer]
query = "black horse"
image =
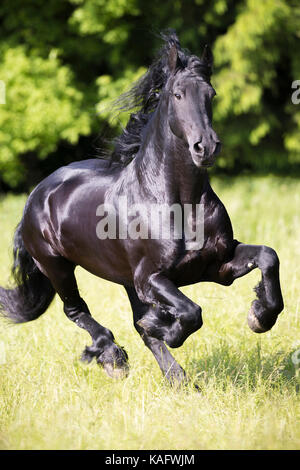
x,y
161,157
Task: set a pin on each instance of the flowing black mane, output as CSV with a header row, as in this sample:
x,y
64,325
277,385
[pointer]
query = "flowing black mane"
x,y
144,96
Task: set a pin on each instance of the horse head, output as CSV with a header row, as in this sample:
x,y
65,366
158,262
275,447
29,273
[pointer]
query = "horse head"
x,y
190,104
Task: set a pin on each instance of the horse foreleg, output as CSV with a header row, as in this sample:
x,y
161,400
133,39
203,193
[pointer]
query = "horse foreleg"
x,y
269,303
168,365
171,316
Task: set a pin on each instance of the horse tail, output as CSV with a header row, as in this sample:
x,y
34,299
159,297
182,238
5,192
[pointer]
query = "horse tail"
x,y
33,292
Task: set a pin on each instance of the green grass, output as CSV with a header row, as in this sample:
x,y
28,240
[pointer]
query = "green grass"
x,y
250,389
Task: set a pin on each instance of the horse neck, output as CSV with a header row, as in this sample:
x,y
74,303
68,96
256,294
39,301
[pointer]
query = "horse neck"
x,y
164,167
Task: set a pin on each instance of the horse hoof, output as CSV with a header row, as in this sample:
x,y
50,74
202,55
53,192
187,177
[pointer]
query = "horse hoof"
x,y
116,373
254,323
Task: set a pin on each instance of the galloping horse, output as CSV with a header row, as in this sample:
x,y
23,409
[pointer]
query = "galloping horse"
x,y
161,157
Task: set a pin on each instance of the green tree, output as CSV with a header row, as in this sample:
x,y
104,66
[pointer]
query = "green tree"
x,y
65,61
42,106
256,61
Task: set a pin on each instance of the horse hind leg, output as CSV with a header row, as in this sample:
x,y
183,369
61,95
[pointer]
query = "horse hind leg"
x,y
108,354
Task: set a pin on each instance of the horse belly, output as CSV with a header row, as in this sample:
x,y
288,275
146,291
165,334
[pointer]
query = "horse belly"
x,y
103,258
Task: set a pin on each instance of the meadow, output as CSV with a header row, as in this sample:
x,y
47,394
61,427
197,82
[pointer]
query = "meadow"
x,y
249,383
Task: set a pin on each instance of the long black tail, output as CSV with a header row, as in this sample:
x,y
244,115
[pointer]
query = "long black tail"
x,y
33,292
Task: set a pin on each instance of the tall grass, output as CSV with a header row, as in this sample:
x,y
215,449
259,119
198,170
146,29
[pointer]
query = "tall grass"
x,y
249,386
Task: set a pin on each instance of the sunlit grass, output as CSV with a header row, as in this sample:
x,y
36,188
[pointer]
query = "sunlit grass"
x,y
249,390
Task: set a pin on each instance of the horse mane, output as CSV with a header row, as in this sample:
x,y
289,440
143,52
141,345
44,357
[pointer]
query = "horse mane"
x,y
144,97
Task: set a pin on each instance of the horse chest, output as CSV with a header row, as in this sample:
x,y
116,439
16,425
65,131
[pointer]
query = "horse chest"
x,y
197,265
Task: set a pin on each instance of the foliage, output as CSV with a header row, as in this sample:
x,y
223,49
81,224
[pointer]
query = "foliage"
x,y
42,105
254,80
64,61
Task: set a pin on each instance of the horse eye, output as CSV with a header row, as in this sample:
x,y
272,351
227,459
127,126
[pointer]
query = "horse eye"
x,y
177,95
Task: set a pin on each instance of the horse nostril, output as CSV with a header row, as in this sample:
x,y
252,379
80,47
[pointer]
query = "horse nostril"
x,y
217,148
198,147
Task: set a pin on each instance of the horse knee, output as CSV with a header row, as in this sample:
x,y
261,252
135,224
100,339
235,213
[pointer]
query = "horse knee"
x,y
269,260
184,326
192,317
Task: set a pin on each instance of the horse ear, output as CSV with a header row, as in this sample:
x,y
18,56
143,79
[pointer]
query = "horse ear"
x,y
207,56
172,58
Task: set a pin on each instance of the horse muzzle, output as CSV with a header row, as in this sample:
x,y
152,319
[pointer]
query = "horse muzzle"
x,y
205,156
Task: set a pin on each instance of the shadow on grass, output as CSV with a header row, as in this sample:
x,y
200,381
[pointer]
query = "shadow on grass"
x,y
248,369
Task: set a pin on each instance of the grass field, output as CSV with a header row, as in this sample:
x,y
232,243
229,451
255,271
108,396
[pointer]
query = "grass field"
x,y
250,387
